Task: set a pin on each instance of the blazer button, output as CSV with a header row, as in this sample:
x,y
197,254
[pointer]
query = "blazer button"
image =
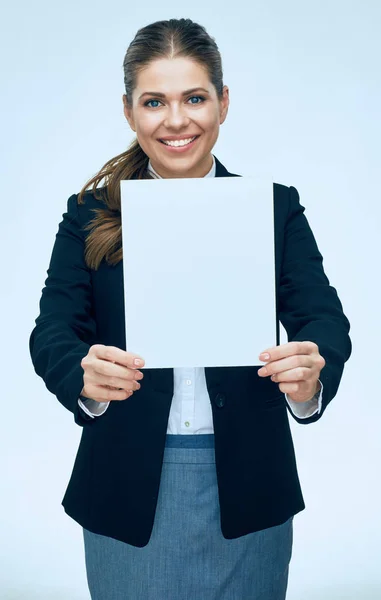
x,y
219,400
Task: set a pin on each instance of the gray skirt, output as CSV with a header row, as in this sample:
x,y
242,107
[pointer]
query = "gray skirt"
x,y
187,557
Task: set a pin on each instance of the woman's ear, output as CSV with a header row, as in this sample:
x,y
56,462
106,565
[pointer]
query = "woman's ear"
x,y
224,104
128,113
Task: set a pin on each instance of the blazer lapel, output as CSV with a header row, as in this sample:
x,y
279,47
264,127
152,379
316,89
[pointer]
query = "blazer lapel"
x,y
222,171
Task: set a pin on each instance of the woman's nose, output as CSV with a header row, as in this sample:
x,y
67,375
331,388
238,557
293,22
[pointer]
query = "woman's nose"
x,y
176,118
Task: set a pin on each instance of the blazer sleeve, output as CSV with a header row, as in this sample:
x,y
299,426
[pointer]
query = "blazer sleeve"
x,y
65,328
308,306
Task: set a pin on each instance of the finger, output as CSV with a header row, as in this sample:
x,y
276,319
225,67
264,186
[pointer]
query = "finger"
x,y
103,394
289,387
114,382
109,369
114,354
288,349
296,375
292,362
297,388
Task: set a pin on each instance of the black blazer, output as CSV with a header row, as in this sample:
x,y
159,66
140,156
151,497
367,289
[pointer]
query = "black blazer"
x,y
114,485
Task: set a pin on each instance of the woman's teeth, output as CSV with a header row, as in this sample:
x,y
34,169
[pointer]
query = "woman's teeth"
x,y
177,143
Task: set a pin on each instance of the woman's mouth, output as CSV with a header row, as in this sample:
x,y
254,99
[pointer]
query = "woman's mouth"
x,y
180,145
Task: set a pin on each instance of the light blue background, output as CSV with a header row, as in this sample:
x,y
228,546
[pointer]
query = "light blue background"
x,y
304,81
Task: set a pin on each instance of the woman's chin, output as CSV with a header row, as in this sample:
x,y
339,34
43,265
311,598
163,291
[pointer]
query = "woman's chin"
x,y
182,166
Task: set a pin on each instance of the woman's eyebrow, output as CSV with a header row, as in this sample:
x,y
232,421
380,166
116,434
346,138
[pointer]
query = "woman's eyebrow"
x,y
160,95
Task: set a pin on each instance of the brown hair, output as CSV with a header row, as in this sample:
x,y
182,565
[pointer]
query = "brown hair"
x,y
163,39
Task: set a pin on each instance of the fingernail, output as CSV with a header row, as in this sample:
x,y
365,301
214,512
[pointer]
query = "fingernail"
x,y
138,362
264,356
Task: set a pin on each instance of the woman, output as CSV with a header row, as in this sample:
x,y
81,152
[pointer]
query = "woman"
x,y
185,480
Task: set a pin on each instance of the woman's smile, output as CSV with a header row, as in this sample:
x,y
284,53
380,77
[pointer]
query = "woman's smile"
x,y
182,144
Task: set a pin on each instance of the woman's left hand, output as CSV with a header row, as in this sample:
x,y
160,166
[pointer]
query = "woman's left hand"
x,y
296,367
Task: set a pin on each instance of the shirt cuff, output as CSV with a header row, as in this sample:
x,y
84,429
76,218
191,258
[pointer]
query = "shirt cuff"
x,y
303,410
92,407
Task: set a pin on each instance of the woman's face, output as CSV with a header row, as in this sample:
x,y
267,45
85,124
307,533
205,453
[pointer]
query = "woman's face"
x,y
175,100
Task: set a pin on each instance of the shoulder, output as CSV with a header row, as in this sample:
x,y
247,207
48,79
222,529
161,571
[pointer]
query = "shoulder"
x,y
83,208
286,203
281,189
91,199
286,199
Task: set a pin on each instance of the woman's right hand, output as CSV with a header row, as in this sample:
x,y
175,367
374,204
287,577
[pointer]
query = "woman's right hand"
x,y
110,373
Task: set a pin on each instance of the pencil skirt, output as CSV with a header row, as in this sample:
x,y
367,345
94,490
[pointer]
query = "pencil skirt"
x,y
187,557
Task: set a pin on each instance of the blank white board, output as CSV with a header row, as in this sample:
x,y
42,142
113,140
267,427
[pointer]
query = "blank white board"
x,y
199,270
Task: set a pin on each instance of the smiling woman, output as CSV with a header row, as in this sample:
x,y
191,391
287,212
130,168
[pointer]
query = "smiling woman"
x,y
187,123
185,481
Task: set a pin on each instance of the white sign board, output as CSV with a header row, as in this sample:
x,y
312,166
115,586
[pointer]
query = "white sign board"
x,y
199,270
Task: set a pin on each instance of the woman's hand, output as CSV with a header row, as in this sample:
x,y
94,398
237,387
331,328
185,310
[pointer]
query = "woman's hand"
x,y
296,367
110,373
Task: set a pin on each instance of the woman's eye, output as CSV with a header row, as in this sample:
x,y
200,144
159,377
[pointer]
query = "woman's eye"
x,y
192,99
197,98
149,101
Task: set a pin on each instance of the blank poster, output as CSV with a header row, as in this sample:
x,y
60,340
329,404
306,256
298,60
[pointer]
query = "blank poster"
x,y
199,270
